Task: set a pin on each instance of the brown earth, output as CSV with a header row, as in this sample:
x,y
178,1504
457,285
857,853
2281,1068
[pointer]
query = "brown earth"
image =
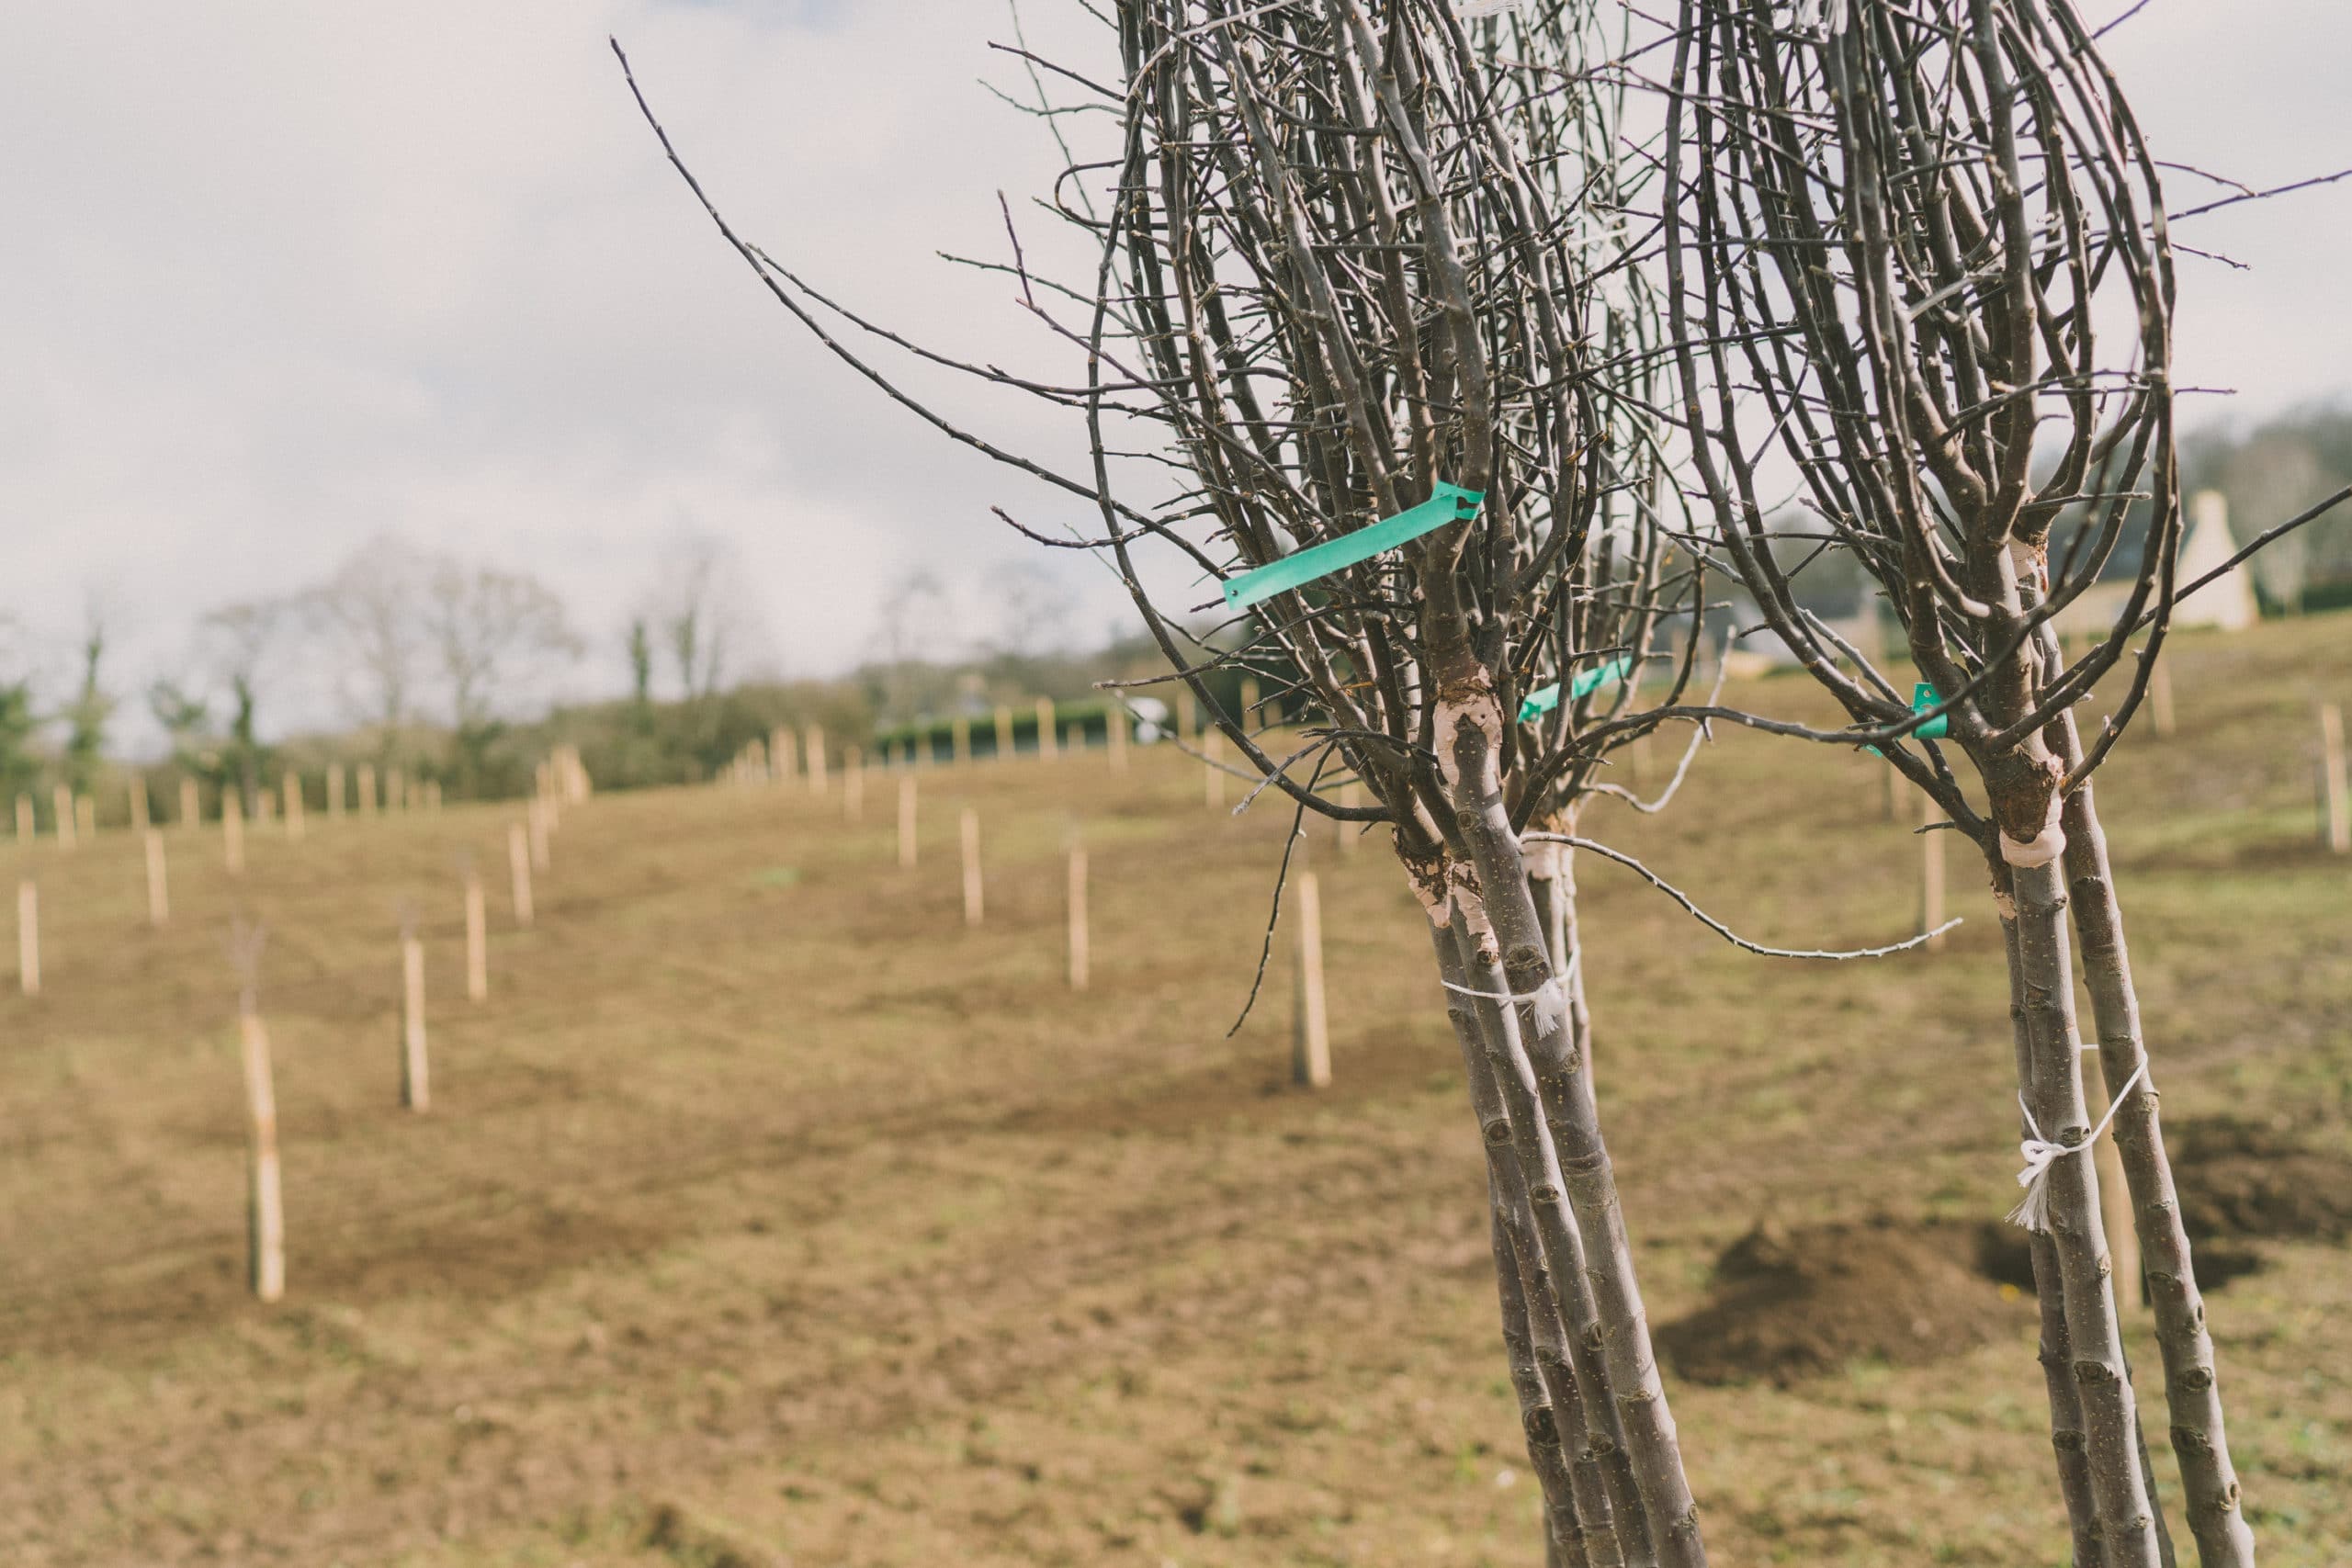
x,y
767,1215
1793,1304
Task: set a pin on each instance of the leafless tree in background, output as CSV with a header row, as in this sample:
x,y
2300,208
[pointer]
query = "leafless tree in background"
x,y
492,631
698,615
371,612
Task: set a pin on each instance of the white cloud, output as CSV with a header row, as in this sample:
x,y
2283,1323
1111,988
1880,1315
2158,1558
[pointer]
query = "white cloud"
x,y
282,276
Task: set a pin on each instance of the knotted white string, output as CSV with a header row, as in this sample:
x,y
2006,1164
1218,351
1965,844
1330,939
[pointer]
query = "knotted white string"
x,y
2033,1210
1537,995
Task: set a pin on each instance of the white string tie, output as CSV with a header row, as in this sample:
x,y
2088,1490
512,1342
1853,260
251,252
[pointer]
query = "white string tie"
x,y
2033,1210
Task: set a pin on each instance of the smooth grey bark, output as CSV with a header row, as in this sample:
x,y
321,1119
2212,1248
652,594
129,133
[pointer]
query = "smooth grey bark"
x,y
2192,1386
1565,1532
1549,1253
2066,1441
1508,952
2127,1516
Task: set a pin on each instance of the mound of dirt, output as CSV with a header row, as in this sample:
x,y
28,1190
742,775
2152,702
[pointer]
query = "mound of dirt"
x,y
1793,1304
2245,1180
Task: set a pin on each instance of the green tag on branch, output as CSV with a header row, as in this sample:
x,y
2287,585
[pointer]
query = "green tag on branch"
x,y
1544,699
1923,697
1447,504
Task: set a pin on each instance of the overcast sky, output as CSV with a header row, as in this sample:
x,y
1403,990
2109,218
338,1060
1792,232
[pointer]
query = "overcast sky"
x,y
280,277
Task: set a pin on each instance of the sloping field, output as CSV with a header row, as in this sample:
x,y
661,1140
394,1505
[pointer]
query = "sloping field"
x,y
765,1214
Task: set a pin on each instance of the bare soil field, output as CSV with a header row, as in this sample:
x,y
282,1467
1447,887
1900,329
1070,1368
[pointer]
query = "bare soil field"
x,y
765,1214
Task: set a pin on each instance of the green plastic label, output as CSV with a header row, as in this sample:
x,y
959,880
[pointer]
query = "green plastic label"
x,y
1544,699
1447,504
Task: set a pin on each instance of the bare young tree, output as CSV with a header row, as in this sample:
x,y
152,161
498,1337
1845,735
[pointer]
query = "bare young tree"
x,y
1355,263
233,648
1890,232
698,616
372,611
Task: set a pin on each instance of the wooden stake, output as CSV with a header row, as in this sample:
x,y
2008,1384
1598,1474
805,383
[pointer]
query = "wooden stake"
x,y
852,784
2160,698
907,822
416,1085
25,830
28,938
1078,944
1248,715
1211,769
1931,873
140,810
191,804
366,789
477,940
1004,734
518,867
537,818
972,904
85,817
959,739
264,1204
61,803
2114,1198
1115,736
232,832
812,740
1349,833
780,756
1310,1057
290,790
159,891
2336,800
1890,784
1044,729
335,792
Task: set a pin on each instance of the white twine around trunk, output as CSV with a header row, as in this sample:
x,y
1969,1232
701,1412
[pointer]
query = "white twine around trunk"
x,y
2033,1210
1537,995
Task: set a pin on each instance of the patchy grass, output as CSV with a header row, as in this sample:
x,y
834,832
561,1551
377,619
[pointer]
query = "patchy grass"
x,y
765,1214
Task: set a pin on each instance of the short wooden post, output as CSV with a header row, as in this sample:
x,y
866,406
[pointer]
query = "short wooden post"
x,y
1004,734
1890,787
2114,1197
780,754
1349,833
1114,735
85,817
1044,729
477,939
1931,873
1248,715
1077,934
265,1199
61,803
25,828
1213,768
335,792
233,831
416,1085
518,868
191,804
2335,801
159,891
2160,698
28,938
907,822
366,789
959,739
290,790
536,817
852,784
812,741
1310,1059
972,901
140,810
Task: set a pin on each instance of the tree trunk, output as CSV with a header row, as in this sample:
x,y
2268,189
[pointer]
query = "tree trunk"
x,y
2192,1389
1513,958
2110,1422
1581,1412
